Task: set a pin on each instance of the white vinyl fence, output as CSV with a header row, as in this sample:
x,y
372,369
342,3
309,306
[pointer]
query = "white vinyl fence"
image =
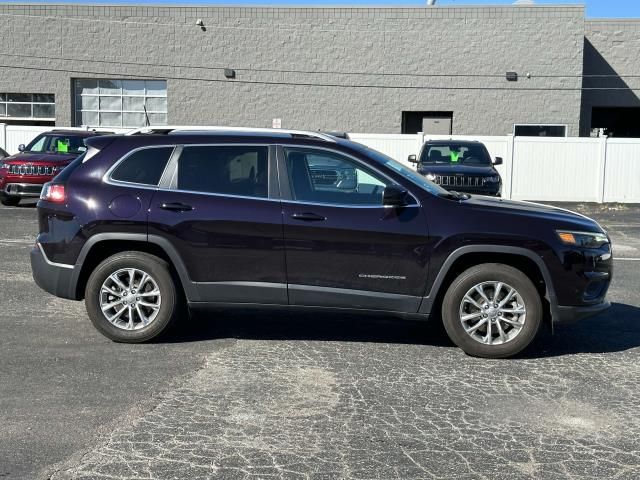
x,y
571,169
568,169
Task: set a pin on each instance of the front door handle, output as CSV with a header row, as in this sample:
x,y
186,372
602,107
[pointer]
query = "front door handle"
x,y
176,207
308,217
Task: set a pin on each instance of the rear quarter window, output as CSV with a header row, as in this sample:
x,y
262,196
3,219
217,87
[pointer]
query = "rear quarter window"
x,y
143,167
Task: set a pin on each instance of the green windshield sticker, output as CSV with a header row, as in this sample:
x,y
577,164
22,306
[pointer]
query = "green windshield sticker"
x,y
62,147
455,156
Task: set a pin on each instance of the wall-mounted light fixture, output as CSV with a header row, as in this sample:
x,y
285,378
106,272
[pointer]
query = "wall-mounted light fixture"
x,y
512,76
229,73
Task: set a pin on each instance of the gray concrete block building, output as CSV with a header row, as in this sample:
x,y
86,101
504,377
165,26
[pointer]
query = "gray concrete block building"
x,y
532,69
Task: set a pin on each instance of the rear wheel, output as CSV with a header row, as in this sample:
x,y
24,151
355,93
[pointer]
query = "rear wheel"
x,y
131,297
492,310
10,201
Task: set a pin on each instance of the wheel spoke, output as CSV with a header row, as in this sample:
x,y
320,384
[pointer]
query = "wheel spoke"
x,y
110,290
507,298
155,306
510,321
489,336
116,315
480,291
496,292
477,325
472,301
117,281
503,336
143,280
516,311
109,306
471,316
143,318
153,293
132,276
130,322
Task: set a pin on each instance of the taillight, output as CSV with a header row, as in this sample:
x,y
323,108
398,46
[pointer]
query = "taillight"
x,y
53,192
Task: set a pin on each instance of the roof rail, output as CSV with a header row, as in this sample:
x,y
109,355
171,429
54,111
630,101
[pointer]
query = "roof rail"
x,y
190,128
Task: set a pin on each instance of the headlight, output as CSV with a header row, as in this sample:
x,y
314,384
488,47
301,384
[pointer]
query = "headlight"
x,y
583,239
430,176
493,179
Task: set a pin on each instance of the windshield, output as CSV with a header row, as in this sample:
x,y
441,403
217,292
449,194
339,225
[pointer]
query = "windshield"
x,y
63,144
406,172
455,154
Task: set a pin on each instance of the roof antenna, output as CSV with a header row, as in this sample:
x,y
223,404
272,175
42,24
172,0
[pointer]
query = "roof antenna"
x,y
146,117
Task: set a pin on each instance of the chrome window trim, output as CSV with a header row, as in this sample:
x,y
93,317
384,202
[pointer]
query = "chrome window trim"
x,y
358,161
106,178
49,262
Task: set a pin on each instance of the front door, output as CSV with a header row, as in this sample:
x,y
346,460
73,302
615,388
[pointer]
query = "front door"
x,y
222,216
343,247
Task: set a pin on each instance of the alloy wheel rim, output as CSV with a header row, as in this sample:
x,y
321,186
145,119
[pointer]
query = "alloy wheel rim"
x,y
492,313
130,299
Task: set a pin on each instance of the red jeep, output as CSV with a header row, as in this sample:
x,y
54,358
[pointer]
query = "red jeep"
x,y
22,175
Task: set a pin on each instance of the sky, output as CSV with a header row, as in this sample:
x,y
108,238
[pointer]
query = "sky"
x,y
595,8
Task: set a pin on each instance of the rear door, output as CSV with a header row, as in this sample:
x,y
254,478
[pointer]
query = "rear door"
x,y
344,248
221,215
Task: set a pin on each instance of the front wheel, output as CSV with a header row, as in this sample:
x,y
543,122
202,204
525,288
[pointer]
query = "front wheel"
x,y
10,201
492,310
131,297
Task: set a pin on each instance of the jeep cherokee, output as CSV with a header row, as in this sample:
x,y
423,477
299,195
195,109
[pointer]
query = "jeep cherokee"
x,y
145,224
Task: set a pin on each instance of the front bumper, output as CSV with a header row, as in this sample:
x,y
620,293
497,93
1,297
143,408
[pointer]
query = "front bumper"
x,y
23,190
566,314
55,278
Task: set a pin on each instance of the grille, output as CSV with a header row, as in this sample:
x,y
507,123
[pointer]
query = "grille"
x,y
30,170
459,181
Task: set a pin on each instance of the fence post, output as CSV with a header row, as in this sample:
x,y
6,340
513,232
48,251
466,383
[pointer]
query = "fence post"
x,y
3,136
510,161
603,167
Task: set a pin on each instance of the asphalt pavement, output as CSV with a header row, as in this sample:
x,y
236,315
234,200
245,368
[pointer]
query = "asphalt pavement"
x,y
241,395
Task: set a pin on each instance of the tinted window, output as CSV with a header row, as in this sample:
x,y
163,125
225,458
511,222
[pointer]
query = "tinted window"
x,y
144,166
324,177
230,170
455,154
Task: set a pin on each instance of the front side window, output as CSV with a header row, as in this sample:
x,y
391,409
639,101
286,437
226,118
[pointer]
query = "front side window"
x,y
56,143
144,166
120,103
228,170
318,176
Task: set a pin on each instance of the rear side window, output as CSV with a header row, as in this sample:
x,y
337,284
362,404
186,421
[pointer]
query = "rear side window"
x,y
229,170
144,166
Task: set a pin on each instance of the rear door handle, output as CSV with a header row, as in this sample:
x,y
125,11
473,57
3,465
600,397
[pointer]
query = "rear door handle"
x,y
308,217
176,207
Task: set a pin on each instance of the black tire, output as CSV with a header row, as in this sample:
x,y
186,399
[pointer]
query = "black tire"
x,y
491,272
171,305
10,201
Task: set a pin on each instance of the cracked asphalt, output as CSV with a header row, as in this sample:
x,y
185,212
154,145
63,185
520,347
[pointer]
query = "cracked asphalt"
x,y
242,395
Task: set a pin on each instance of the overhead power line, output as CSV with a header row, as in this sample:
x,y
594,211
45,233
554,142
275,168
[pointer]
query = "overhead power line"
x,y
305,72
307,84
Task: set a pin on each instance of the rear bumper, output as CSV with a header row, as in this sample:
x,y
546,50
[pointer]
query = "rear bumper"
x,y
565,314
55,278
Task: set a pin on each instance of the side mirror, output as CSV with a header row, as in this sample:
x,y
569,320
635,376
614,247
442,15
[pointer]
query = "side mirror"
x,y
21,147
395,196
498,161
413,159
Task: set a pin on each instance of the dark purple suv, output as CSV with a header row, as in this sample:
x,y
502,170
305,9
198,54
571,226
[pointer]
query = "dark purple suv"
x,y
143,225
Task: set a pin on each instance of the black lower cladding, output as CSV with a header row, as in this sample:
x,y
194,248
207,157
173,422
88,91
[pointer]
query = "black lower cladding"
x,y
57,280
570,314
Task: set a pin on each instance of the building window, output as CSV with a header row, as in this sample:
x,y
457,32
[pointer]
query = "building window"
x,y
120,103
540,130
433,123
27,106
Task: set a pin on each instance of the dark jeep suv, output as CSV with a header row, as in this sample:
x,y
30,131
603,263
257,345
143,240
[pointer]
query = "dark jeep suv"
x,y
142,225
459,166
